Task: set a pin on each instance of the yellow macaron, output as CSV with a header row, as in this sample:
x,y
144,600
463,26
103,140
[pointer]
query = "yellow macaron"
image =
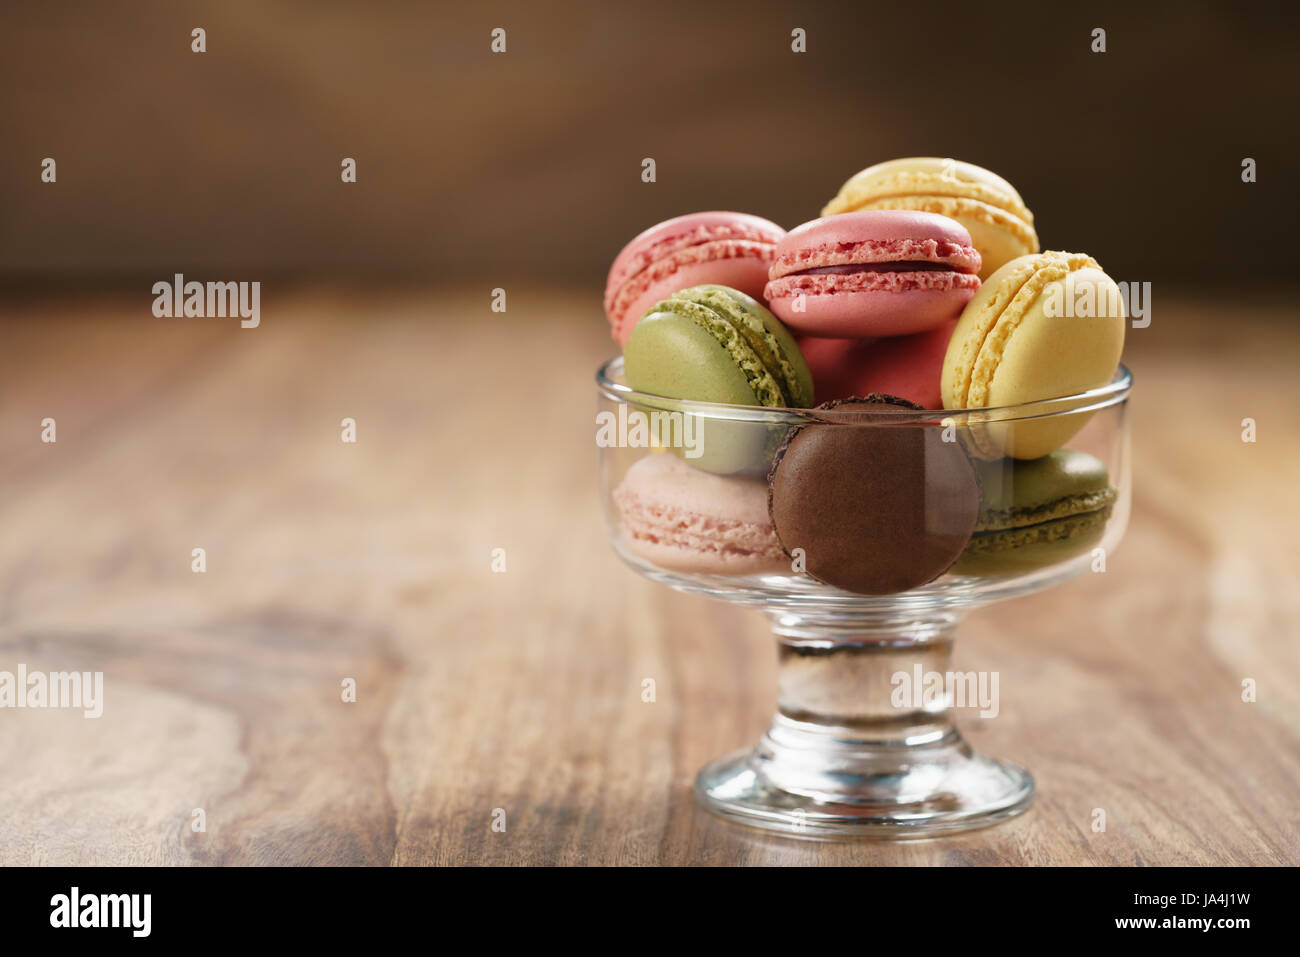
x,y
1041,327
1000,225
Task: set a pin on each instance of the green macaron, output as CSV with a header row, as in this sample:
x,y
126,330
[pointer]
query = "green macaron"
x,y
1037,512
715,344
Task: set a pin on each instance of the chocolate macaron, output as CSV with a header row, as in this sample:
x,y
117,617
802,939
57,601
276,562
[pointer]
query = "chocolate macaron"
x,y
877,502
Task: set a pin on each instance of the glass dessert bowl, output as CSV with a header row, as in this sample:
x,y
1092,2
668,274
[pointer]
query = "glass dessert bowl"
x,y
842,525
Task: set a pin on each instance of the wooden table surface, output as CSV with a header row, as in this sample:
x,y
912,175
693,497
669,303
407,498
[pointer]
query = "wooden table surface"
x,y
520,691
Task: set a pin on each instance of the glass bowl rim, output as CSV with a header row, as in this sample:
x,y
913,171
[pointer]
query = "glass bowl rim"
x,y
1113,393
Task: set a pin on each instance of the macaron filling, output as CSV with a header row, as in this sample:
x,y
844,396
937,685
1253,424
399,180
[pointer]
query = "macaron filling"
x,y
991,520
824,282
1059,530
1036,511
874,267
959,257
888,265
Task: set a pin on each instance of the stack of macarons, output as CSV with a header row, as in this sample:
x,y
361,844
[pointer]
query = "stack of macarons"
x,y
875,294
921,287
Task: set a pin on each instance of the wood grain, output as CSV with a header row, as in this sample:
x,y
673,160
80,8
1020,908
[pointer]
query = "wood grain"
x,y
521,690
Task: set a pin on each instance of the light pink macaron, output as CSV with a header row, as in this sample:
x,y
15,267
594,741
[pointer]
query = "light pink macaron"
x,y
684,519
909,367
873,273
730,249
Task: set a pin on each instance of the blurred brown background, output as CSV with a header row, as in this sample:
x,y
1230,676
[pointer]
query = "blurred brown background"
x,y
522,690
528,163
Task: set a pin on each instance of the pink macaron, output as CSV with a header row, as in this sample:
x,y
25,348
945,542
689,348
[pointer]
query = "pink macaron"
x,y
887,272
906,366
684,519
729,249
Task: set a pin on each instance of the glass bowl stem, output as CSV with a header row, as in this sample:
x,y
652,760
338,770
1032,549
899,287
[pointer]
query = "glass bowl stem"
x,y
859,746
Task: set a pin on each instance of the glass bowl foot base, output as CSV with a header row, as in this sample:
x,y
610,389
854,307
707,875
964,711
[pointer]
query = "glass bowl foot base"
x,y
888,793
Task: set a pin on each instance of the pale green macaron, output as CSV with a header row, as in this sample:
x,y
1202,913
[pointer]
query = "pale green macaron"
x,y
1037,512
715,344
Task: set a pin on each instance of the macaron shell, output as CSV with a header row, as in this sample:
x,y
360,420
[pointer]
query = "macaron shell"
x,y
997,242
716,246
743,267
892,235
1020,550
1015,494
1007,351
874,507
777,346
662,240
870,304
978,318
916,175
1036,513
1000,225
905,366
670,354
835,364
683,519
1045,356
689,350
997,236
